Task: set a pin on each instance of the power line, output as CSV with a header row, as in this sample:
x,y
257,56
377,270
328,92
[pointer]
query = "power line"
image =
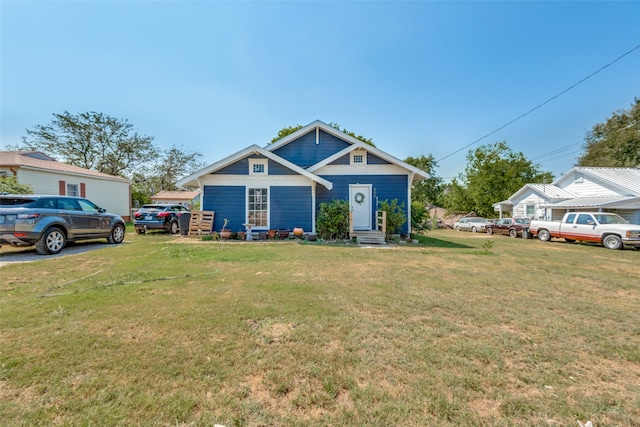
x,y
541,105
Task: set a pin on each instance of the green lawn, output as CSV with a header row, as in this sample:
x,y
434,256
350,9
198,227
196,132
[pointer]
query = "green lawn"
x,y
462,329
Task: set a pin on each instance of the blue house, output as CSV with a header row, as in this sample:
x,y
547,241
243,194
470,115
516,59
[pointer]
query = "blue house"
x,y
282,185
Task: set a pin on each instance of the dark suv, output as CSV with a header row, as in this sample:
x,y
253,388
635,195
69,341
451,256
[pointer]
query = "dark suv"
x,y
159,216
49,222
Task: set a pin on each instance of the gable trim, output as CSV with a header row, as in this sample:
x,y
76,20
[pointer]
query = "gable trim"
x,y
253,149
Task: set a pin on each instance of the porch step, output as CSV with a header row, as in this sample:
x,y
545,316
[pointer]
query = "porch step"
x,y
369,237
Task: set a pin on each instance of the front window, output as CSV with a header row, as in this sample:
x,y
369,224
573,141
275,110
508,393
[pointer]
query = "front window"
x,y
72,190
258,206
531,211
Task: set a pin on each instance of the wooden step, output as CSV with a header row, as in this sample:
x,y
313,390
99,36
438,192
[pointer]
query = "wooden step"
x,y
369,237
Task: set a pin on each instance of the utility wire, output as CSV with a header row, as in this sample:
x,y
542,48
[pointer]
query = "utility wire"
x,y
541,105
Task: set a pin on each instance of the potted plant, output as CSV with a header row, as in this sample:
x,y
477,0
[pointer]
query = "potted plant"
x,y
225,233
272,234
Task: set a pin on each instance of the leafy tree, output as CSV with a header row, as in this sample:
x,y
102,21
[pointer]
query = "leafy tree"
x,y
286,131
291,129
615,143
333,220
93,141
10,185
493,173
419,217
163,173
429,190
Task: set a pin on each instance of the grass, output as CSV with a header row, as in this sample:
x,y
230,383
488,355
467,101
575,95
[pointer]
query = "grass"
x,y
461,329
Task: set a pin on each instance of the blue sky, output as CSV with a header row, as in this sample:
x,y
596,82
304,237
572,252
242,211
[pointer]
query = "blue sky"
x,y
418,77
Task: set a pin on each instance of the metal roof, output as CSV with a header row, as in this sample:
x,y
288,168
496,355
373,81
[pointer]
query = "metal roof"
x,y
586,202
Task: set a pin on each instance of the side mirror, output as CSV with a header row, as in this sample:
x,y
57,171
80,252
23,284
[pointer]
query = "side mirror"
x,y
102,210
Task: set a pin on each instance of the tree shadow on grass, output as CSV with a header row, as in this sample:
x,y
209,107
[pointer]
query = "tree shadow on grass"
x,y
439,243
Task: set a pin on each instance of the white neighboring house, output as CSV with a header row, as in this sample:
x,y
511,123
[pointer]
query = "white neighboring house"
x,y
591,189
48,176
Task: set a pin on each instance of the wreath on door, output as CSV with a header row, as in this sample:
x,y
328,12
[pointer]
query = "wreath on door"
x,y
359,198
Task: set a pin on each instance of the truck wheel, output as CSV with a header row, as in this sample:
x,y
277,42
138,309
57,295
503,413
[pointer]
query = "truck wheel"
x,y
611,241
544,236
51,242
173,227
117,234
513,233
489,231
569,240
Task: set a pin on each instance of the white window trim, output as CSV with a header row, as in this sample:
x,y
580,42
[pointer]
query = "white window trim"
x,y
246,208
264,162
73,188
362,153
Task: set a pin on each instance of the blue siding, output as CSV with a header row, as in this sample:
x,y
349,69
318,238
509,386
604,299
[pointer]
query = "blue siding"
x,y
276,168
375,160
304,151
227,202
241,167
384,187
344,160
291,207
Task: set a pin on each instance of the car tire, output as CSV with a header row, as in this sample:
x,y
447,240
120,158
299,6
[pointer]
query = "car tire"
x,y
474,230
612,241
489,231
513,233
51,242
117,234
457,228
174,227
569,240
141,230
544,235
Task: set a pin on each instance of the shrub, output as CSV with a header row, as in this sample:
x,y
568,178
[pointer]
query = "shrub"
x,y
333,220
396,216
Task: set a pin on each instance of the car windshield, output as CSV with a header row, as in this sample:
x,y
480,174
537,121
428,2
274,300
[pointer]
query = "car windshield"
x,y
610,219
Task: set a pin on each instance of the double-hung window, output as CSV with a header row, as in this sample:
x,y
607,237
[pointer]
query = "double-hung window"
x,y
258,208
72,190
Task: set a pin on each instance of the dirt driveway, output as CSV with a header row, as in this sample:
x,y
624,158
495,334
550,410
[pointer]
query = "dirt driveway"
x,y
11,255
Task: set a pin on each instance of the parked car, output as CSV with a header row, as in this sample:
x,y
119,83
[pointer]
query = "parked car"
x,y
509,226
50,222
473,224
159,216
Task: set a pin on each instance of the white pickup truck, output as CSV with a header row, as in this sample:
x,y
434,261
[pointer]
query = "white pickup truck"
x,y
609,229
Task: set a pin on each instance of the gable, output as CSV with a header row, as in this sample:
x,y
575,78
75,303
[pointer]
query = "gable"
x,y
311,148
242,167
601,182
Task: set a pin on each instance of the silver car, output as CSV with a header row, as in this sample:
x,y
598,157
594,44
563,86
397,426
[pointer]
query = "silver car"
x,y
473,224
49,222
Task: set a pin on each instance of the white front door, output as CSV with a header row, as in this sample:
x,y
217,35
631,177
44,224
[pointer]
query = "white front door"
x,y
360,204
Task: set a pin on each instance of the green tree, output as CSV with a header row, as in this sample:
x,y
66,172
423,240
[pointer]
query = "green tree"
x,y
291,129
11,185
93,141
616,142
428,190
493,173
163,173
